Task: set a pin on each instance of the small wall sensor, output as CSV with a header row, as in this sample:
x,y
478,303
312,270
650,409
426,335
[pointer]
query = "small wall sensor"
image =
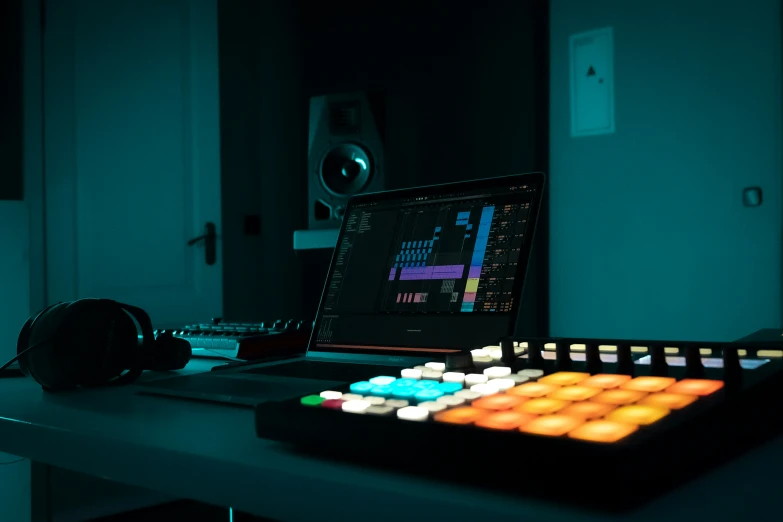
x,y
751,196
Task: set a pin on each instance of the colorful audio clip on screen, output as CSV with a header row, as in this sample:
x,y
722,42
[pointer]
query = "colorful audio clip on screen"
x,y
602,408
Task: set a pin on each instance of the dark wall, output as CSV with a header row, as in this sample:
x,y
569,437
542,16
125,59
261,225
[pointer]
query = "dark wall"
x,y
11,176
466,98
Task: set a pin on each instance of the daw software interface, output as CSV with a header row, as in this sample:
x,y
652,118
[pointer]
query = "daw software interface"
x,y
431,272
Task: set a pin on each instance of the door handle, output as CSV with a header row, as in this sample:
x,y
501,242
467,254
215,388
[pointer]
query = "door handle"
x,y
210,243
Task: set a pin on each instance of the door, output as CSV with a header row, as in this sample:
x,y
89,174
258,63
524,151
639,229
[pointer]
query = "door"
x,y
133,155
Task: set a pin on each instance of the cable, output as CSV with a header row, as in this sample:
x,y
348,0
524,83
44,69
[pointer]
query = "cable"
x,y
14,359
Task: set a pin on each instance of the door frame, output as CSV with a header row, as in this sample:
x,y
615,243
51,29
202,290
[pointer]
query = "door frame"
x,y
33,21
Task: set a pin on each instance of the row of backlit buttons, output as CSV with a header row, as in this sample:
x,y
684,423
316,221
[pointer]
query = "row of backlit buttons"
x,y
557,397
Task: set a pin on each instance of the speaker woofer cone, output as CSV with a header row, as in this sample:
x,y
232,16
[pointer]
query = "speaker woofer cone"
x,y
346,169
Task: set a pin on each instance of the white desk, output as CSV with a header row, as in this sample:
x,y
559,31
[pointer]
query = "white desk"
x,y
210,453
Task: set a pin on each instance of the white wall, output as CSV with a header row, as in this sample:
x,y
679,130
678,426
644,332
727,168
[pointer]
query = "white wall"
x,y
649,238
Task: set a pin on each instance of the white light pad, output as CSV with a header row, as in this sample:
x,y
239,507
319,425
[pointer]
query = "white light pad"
x,y
351,397
502,384
437,366
431,375
413,413
331,395
432,406
531,372
475,378
484,389
411,373
382,380
355,406
453,377
496,372
468,395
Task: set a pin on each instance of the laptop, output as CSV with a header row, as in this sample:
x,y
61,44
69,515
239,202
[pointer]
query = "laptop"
x,y
418,275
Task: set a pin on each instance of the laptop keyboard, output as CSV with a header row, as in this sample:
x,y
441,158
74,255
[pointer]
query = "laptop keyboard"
x,y
347,372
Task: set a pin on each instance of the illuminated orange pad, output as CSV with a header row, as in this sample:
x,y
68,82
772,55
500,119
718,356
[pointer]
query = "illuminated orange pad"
x,y
564,378
505,420
696,387
587,410
603,431
619,397
649,384
672,401
605,380
638,414
464,415
574,393
541,406
532,389
554,425
498,402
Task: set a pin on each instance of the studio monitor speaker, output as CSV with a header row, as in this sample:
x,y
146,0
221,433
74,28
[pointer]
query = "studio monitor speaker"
x,y
345,153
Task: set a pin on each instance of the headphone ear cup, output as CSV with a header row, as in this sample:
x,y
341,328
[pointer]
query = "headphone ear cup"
x,y
41,332
171,353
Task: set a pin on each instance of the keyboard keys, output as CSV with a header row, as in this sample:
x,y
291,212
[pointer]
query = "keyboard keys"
x,y
605,380
433,407
431,374
531,373
619,397
451,400
498,402
404,392
700,387
380,410
564,378
406,381
312,400
648,384
603,431
382,380
574,393
425,385
351,396
333,404
532,389
376,401
541,406
437,366
449,387
518,379
361,387
453,377
431,394
553,425
502,384
637,414
396,403
382,391
671,401
467,395
413,413
411,373
504,420
331,395
462,415
475,378
587,410
355,406
496,372
484,389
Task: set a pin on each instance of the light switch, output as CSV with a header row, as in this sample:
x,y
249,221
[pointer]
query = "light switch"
x,y
592,82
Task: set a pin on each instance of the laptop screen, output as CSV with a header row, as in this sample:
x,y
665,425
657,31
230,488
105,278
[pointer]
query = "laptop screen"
x,y
429,270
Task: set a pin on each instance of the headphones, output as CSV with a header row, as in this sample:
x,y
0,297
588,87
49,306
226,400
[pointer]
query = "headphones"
x,y
94,342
